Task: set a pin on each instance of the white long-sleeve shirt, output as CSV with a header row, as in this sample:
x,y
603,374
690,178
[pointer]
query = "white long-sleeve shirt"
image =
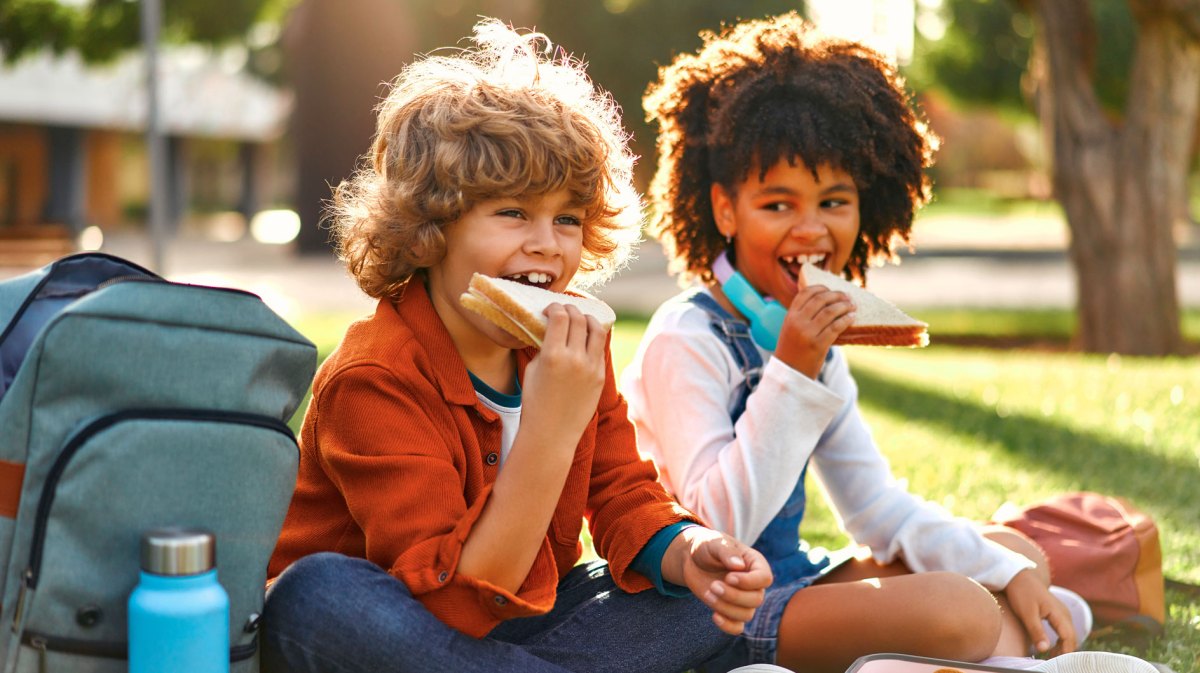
x,y
681,387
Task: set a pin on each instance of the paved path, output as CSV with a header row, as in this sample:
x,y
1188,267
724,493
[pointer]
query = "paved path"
x,y
935,277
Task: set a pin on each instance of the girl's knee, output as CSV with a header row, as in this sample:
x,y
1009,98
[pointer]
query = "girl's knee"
x,y
1021,543
965,616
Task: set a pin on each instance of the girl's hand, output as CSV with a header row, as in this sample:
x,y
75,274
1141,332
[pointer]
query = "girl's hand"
x,y
728,576
563,382
815,319
1031,602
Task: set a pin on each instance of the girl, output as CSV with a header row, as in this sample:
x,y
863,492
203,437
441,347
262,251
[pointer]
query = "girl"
x,y
780,147
445,470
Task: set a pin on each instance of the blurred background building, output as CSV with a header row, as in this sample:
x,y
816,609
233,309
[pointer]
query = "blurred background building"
x,y
71,159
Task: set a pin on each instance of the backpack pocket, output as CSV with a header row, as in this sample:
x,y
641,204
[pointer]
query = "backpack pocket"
x,y
228,472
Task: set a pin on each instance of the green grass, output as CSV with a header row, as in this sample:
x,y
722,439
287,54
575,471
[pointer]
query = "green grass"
x,y
973,428
983,203
1046,324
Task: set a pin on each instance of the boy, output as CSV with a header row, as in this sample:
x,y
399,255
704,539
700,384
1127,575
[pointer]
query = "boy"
x,y
445,470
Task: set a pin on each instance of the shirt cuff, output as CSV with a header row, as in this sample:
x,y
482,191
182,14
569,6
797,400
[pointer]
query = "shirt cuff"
x,y
648,561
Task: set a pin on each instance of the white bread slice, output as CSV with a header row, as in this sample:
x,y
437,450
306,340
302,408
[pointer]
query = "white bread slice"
x,y
517,308
877,322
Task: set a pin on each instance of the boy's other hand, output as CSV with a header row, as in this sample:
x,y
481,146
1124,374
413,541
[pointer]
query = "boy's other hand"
x,y
728,576
815,319
563,383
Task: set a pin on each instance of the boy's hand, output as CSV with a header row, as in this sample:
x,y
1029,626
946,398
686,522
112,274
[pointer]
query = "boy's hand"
x,y
563,383
1031,602
728,576
815,319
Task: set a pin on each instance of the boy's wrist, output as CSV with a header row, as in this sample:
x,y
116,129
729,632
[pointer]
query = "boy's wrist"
x,y
678,554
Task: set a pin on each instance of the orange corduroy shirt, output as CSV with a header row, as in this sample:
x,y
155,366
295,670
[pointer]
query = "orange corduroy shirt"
x,y
398,457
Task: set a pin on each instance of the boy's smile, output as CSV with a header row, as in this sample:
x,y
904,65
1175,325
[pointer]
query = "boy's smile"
x,y
537,240
785,219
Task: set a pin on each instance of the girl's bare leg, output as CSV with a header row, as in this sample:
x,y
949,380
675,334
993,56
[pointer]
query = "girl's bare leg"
x,y
827,626
863,607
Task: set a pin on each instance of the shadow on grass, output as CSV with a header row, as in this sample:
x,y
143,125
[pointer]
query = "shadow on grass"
x,y
1086,460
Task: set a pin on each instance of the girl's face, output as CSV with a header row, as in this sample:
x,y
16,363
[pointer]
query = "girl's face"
x,y
530,239
785,219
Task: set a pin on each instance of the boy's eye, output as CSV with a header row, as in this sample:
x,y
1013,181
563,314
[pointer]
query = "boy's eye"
x,y
835,203
776,206
511,212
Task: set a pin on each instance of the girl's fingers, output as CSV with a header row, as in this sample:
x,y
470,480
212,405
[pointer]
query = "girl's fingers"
x,y
1033,626
817,298
1060,621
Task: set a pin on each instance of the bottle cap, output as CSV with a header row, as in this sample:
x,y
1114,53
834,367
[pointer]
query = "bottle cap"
x,y
178,551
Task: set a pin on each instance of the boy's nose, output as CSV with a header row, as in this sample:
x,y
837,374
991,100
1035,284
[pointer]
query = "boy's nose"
x,y
541,239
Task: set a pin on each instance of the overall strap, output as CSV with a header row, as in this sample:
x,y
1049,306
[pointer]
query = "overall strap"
x,y
735,334
779,542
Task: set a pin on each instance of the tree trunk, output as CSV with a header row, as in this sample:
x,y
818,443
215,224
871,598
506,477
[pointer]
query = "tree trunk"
x,y
339,57
1122,185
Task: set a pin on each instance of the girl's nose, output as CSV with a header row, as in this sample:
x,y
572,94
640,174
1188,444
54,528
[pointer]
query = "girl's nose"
x,y
807,224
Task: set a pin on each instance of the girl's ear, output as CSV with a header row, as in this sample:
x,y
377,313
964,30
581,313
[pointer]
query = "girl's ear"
x,y
722,206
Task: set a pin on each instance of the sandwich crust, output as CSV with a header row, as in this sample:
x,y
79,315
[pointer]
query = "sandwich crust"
x,y
518,308
877,322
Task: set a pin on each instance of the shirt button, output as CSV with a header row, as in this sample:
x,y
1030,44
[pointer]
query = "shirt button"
x,y
442,576
493,458
501,600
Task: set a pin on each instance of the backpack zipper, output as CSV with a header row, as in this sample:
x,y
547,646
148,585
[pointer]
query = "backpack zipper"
x,y
95,427
39,644
19,610
107,649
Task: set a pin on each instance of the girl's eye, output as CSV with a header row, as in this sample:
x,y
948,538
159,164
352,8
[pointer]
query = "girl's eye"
x,y
834,203
776,207
569,220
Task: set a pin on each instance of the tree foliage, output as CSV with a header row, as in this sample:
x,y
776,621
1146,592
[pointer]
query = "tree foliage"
x,y
102,29
623,41
626,41
984,55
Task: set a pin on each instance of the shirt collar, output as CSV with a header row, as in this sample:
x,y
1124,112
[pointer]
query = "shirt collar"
x,y
415,310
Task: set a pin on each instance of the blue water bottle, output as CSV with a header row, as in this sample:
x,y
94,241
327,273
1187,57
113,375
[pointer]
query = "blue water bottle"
x,y
178,613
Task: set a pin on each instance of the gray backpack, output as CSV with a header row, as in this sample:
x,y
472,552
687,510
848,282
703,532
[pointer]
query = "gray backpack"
x,y
129,403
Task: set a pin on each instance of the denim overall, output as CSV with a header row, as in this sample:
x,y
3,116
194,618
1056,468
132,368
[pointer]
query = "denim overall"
x,y
780,541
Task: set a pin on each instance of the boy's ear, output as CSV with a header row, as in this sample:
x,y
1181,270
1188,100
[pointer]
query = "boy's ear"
x,y
722,206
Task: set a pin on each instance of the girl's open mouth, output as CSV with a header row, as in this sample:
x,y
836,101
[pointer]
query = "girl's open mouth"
x,y
791,264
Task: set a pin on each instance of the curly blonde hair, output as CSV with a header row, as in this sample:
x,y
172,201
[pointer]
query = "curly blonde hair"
x,y
774,89
506,118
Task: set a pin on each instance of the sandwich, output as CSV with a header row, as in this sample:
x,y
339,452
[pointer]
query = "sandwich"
x,y
517,308
876,322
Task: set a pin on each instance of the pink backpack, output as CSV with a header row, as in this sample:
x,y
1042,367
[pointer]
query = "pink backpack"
x,y
1104,549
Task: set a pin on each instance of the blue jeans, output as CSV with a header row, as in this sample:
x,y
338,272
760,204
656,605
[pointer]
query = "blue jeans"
x,y
329,612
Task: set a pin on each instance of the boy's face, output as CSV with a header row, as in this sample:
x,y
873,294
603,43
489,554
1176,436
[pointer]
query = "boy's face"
x,y
786,218
529,239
